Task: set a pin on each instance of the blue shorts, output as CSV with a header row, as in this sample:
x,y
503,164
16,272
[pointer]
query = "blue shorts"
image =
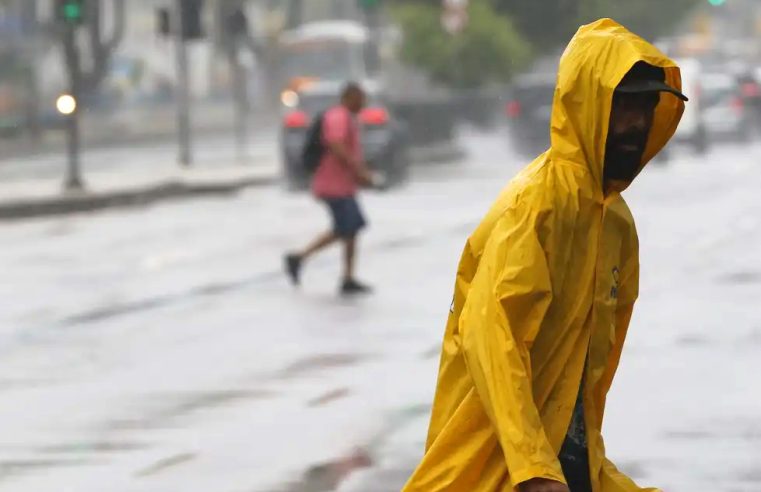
x,y
347,216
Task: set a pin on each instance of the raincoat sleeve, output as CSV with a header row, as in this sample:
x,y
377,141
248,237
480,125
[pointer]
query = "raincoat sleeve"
x,y
506,304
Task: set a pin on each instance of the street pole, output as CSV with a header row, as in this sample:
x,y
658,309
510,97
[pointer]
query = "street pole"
x,y
32,103
242,108
182,92
372,16
236,35
73,180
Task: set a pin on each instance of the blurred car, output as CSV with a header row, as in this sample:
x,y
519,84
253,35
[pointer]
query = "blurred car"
x,y
529,111
11,110
692,129
750,88
724,108
323,51
384,141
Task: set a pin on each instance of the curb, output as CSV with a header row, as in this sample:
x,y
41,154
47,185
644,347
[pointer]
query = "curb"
x,y
138,197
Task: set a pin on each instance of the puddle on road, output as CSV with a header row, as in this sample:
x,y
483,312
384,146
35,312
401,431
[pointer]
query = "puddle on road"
x,y
157,302
432,352
692,340
94,447
740,278
689,435
740,429
9,384
14,468
753,338
166,463
321,362
750,475
173,407
116,310
329,397
328,476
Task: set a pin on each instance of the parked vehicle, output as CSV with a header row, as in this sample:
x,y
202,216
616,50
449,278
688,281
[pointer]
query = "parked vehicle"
x,y
725,113
12,93
529,111
692,129
750,88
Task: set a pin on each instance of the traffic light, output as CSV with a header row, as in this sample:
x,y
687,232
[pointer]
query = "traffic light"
x,y
71,11
717,3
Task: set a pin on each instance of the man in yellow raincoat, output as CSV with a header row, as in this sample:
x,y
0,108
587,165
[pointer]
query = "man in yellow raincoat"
x,y
546,286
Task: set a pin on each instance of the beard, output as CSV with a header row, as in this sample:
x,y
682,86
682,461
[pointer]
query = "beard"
x,y
623,156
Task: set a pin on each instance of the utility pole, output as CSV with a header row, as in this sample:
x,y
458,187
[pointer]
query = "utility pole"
x,y
294,13
237,35
371,10
185,157
70,14
73,142
32,103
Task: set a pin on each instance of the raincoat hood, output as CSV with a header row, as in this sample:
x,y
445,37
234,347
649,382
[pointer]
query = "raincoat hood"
x,y
594,63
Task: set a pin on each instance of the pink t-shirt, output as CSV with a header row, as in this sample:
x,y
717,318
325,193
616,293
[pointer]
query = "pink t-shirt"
x,y
333,177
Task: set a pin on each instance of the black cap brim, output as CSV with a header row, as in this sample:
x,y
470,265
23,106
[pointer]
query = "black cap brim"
x,y
638,86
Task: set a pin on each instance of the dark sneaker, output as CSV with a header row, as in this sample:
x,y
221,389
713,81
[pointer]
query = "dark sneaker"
x,y
293,268
352,287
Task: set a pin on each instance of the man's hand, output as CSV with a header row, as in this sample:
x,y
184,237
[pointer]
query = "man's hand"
x,y
365,176
543,485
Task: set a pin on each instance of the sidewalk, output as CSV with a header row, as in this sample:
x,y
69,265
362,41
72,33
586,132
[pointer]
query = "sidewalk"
x,y
113,188
140,124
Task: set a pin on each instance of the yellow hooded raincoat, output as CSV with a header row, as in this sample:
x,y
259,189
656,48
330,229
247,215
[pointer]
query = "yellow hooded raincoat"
x,y
546,282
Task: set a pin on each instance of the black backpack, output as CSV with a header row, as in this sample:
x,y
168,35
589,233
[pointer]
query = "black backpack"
x,y
313,149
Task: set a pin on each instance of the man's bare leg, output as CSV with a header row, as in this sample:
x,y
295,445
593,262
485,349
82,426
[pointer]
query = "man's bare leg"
x,y
350,249
350,285
294,261
322,242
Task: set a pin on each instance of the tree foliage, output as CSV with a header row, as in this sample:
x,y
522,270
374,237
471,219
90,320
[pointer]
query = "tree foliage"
x,y
548,24
502,35
488,50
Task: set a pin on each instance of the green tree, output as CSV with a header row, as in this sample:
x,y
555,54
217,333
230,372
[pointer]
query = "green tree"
x,y
548,24
648,18
489,49
544,23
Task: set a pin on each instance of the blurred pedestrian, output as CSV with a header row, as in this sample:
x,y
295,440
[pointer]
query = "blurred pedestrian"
x,y
547,283
336,181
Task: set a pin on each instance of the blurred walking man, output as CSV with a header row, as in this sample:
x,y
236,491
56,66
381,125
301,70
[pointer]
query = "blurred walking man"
x,y
336,181
546,286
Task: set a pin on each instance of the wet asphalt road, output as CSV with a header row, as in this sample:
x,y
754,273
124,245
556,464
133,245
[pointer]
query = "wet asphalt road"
x,y
162,349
